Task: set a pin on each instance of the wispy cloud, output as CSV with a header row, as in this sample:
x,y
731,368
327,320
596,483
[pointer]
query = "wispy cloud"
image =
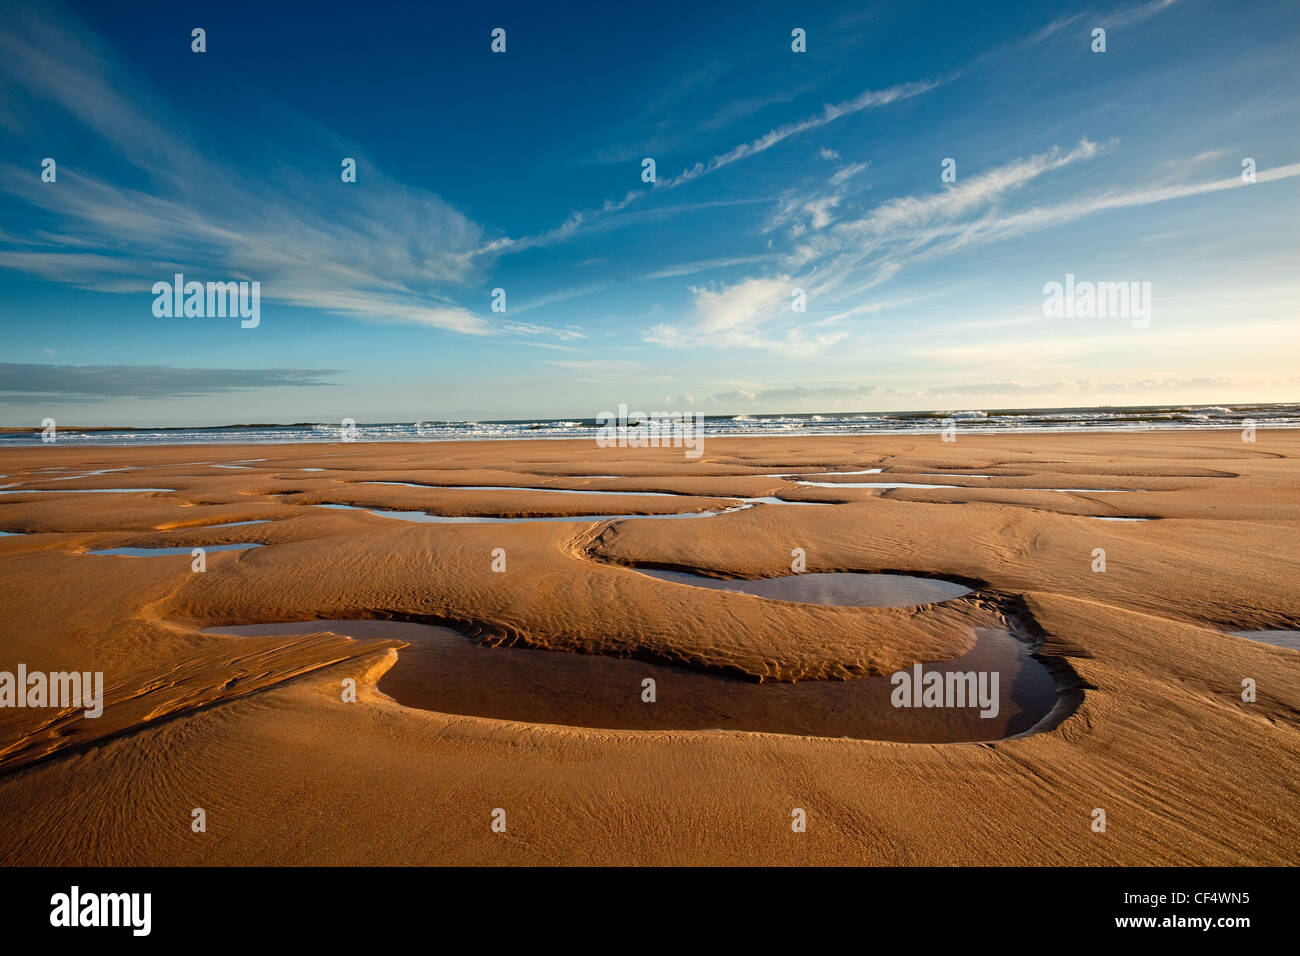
x,y
377,250
949,237
31,383
527,328
750,314
757,312
705,265
867,99
1121,17
1128,16
844,261
830,112
857,254
913,213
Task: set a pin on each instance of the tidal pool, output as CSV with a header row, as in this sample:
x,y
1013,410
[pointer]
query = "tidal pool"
x,y
228,524
833,588
1287,639
89,474
556,491
161,552
1091,491
80,491
425,517
870,484
768,499
443,670
809,474
773,500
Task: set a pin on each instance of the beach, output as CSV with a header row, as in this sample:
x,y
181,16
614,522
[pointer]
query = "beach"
x,y
1146,719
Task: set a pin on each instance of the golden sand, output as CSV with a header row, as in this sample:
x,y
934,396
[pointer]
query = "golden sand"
x,y
254,731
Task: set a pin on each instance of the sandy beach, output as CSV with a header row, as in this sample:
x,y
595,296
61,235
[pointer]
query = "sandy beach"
x,y
516,639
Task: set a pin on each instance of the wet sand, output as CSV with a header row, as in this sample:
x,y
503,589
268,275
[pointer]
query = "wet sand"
x,y
1151,726
441,670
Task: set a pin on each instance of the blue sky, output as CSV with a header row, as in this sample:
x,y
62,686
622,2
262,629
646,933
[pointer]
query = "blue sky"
x,y
775,170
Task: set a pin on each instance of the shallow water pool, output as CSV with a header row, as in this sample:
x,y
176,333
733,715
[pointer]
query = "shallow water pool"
x,y
443,670
833,588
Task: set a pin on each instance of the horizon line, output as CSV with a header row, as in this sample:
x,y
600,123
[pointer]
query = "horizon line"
x,y
737,416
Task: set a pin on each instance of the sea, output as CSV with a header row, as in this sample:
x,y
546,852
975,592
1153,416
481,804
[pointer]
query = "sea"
x,y
1106,418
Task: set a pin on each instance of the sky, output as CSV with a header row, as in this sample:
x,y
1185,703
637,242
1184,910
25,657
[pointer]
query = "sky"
x,y
523,171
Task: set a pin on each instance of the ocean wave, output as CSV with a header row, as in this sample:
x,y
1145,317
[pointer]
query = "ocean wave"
x,y
976,421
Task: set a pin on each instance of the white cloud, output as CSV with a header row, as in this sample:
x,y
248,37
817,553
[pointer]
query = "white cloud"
x,y
845,173
911,212
704,265
854,255
1136,14
378,250
752,314
527,328
867,99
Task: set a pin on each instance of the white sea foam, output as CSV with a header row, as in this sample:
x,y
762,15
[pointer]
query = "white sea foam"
x,y
972,421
